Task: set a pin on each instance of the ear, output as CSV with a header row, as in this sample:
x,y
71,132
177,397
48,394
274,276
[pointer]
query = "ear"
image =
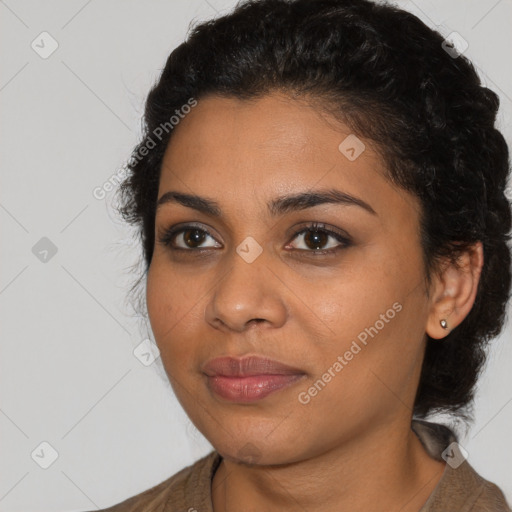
x,y
454,291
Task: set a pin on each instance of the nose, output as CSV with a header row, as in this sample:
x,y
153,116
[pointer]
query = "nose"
x,y
248,294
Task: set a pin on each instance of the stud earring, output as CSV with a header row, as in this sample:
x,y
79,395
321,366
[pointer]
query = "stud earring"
x,y
444,324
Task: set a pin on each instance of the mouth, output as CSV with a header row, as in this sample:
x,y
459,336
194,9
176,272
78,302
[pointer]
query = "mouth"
x,y
250,378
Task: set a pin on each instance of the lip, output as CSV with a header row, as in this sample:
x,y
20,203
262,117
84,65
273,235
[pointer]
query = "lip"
x,y
250,389
247,366
249,378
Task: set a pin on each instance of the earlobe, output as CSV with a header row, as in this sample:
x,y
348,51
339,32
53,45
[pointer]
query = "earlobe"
x,y
455,292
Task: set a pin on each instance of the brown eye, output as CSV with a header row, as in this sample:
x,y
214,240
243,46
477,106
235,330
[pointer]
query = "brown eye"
x,y
193,237
186,238
315,239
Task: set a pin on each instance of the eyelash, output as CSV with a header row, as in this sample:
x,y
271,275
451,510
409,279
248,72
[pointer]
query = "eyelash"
x,y
168,235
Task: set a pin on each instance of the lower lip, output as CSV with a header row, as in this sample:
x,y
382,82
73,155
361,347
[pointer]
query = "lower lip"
x,y
250,389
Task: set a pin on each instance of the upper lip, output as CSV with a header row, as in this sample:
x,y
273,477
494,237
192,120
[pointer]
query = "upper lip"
x,y
247,366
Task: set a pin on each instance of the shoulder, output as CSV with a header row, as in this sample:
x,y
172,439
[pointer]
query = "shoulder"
x,y
173,493
465,489
461,488
490,499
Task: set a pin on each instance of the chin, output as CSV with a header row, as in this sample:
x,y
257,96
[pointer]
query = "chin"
x,y
256,449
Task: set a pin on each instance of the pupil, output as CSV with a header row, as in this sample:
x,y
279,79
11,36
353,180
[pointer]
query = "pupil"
x,y
196,238
318,238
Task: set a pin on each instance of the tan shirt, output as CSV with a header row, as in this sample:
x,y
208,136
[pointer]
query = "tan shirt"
x,y
460,489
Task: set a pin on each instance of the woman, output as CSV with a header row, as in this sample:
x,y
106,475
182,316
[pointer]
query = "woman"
x,y
320,197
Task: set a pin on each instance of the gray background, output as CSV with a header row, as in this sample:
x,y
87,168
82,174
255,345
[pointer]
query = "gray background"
x,y
69,376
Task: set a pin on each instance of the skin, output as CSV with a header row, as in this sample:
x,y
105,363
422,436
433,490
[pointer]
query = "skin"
x,y
351,447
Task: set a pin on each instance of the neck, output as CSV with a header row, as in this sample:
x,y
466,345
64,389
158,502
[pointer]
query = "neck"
x,y
387,466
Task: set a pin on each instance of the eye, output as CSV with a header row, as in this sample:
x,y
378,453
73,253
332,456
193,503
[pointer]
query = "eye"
x,y
315,236
189,237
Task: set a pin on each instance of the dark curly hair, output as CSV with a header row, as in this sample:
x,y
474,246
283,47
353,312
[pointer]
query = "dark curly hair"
x,y
386,75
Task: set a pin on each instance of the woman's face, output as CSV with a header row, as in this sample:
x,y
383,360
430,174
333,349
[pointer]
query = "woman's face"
x,y
351,322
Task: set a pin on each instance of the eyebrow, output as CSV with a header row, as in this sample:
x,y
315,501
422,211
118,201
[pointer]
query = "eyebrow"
x,y
278,206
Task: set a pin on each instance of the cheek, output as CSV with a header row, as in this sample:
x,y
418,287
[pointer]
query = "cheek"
x,y
354,300
158,301
174,309
372,319
163,308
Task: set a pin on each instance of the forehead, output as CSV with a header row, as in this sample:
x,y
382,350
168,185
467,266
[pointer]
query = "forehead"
x,y
275,123
272,145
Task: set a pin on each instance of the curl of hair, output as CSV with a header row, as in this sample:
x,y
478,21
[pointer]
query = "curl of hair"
x,y
385,74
